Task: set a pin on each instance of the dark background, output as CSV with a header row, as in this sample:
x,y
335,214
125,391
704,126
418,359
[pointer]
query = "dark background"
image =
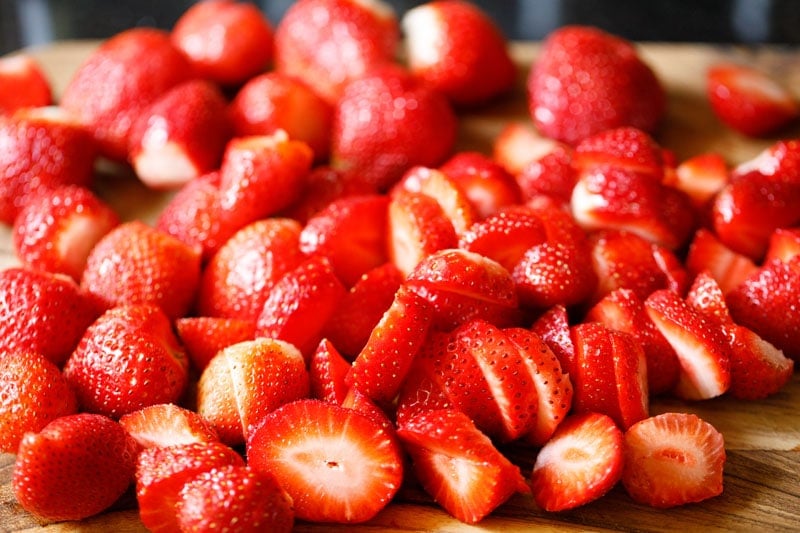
x,y
31,22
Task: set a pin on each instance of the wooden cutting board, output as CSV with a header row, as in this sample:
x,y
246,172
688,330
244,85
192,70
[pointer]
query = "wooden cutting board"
x,y
762,486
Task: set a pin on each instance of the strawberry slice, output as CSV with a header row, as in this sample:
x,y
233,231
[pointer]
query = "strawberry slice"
x,y
488,185
327,372
579,464
518,144
23,83
204,336
624,147
748,100
707,296
167,424
701,177
552,327
708,253
424,389
699,342
450,195
672,459
758,368
458,465
336,464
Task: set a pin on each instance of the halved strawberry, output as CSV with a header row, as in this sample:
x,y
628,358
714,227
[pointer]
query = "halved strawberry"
x,y
204,336
167,424
23,83
458,465
487,184
707,253
673,459
518,144
328,371
749,100
338,465
579,464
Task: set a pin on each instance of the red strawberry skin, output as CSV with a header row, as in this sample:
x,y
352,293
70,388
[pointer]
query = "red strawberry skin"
x,y
23,83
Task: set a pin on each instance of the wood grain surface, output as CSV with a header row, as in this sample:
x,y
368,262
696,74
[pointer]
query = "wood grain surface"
x,y
762,485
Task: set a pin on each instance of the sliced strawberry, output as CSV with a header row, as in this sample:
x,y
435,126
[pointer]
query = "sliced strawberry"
x,y
380,368
246,382
552,327
328,371
698,341
361,403
706,295
300,304
518,144
748,100
701,177
707,253
579,464
324,185
204,336
624,147
167,424
337,465
23,83
458,465
552,175
488,185
423,390
758,368
673,459
784,244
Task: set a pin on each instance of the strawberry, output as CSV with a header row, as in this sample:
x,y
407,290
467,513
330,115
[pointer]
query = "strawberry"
x,y
236,498
624,147
383,363
784,244
748,100
328,43
552,175
300,304
127,359
698,341
181,135
579,464
113,86
457,48
34,392
586,80
611,374
518,144
23,83
237,278
327,372
458,465
43,313
706,295
673,459
43,148
763,301
758,368
361,403
163,471
167,424
135,263
361,309
248,380
418,227
376,142
727,267
56,231
351,233
337,465
424,389
701,177
227,42
553,328
554,390
323,186
488,185
204,336
77,466
276,100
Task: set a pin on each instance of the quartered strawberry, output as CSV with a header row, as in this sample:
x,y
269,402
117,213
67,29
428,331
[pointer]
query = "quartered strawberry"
x,y
237,278
361,309
33,392
167,424
519,144
163,471
234,497
127,359
56,231
350,233
707,253
135,263
227,42
552,175
23,83
586,80
43,148
383,363
458,465
457,48
336,464
328,43
579,464
112,87
698,341
377,143
278,101
42,312
784,244
180,136
487,184
327,372
248,380
748,100
300,304
77,466
673,459
203,336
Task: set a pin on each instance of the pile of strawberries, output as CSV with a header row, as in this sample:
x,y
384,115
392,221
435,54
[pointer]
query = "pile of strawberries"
x,y
335,301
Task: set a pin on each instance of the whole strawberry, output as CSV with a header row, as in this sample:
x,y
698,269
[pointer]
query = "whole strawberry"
x,y
76,467
586,80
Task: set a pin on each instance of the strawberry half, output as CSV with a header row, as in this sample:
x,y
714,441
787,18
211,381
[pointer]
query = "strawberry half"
x,y
336,464
167,424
